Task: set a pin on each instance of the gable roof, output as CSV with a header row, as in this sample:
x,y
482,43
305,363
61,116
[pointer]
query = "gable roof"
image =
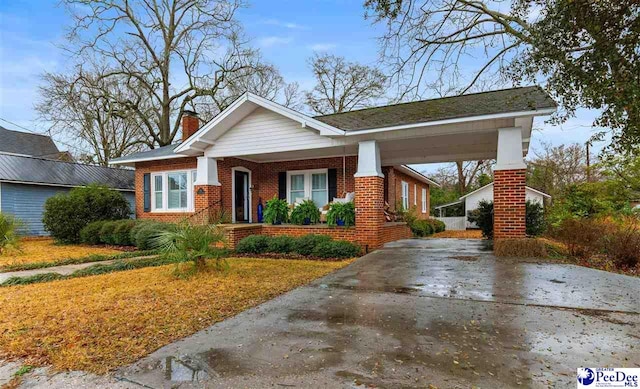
x,y
416,174
491,184
31,170
24,143
475,104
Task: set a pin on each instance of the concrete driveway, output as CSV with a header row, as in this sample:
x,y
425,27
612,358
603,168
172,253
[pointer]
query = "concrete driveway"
x,y
439,312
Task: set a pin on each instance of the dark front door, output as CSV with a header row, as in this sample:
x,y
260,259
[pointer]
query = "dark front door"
x,y
241,196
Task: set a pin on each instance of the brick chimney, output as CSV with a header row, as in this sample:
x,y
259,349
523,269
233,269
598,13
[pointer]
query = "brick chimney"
x,y
190,124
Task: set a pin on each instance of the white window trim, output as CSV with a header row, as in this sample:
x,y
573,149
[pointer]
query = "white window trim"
x,y
307,182
233,195
165,192
415,195
404,196
424,200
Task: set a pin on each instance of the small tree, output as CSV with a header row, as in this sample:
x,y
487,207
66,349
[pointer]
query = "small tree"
x,y
193,243
8,233
65,214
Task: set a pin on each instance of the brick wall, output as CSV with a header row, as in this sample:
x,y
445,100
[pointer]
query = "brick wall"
x,y
394,191
394,231
509,203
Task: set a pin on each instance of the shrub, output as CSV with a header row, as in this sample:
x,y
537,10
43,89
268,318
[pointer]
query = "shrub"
x,y
90,234
336,249
524,247
66,214
280,244
107,232
342,213
437,225
535,224
276,211
194,243
8,232
140,224
582,237
305,244
121,234
307,211
483,218
253,244
622,243
145,234
421,228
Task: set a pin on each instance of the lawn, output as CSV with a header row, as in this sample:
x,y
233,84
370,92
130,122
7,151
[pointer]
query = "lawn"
x,y
101,322
46,250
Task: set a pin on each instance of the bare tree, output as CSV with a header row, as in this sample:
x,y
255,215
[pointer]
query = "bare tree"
x,y
178,52
343,86
84,112
462,175
553,168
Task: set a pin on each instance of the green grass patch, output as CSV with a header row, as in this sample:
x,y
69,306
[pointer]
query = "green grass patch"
x,y
76,261
25,369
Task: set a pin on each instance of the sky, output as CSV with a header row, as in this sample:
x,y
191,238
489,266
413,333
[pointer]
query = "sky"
x,y
286,32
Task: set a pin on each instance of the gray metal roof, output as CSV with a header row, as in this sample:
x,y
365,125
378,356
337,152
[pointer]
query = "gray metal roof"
x,y
25,143
476,104
159,153
15,168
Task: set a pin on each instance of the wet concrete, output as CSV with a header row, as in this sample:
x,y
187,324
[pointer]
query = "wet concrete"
x,y
416,313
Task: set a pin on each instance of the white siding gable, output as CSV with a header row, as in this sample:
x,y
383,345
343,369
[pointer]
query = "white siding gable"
x,y
264,131
486,193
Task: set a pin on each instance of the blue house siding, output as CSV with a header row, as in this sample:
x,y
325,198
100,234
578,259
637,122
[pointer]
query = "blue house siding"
x,y
26,202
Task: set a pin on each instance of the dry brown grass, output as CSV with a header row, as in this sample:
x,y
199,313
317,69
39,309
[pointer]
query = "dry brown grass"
x,y
101,322
525,247
45,250
459,234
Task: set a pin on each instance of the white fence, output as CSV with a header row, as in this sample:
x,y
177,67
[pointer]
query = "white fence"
x,y
454,223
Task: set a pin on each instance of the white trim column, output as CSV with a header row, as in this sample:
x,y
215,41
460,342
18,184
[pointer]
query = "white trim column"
x,y
207,173
369,163
510,149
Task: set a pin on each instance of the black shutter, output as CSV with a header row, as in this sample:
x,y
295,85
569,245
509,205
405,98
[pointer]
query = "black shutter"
x,y
147,192
282,185
333,184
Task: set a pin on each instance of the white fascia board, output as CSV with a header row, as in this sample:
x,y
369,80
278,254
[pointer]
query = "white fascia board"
x,y
538,192
134,160
304,120
477,190
491,183
417,175
506,115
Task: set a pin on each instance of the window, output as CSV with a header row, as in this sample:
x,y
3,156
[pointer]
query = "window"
x,y
173,191
424,200
415,194
405,195
308,185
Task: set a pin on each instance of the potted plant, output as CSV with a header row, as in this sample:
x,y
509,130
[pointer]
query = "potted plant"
x,y
305,213
276,211
341,214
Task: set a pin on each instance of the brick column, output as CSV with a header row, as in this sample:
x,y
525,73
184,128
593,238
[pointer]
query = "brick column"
x,y
204,197
509,204
369,210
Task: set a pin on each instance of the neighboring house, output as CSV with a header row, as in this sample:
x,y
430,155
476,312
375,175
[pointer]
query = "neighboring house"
x,y
26,182
257,149
471,201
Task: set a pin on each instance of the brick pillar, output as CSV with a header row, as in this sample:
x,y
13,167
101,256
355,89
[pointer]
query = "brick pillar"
x,y
509,204
369,204
204,197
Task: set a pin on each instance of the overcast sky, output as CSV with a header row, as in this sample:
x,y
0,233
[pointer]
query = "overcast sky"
x,y
287,33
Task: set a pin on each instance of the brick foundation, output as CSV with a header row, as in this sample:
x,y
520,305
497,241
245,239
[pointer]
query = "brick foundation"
x,y
509,204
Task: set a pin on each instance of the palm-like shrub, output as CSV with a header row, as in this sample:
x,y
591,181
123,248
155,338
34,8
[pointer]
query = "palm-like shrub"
x,y
195,243
9,239
305,213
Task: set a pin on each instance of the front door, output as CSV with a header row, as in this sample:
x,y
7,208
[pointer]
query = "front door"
x,y
241,196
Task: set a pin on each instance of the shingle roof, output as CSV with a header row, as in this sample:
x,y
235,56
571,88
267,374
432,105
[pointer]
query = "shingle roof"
x,y
484,103
25,143
159,153
44,171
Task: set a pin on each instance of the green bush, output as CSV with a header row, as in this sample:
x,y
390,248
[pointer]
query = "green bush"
x,y
535,222
483,218
336,249
107,232
307,210
9,226
305,244
253,244
147,232
140,224
122,232
65,214
344,212
90,234
437,225
421,228
282,244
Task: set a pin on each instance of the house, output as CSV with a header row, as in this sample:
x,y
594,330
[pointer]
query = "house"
x,y
471,200
256,149
30,173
